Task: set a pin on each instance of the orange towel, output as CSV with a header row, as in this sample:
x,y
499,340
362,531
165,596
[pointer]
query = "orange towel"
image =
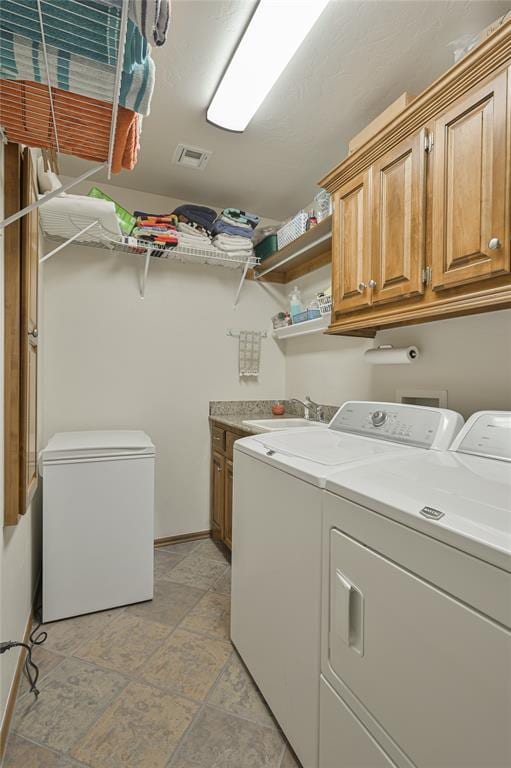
x,y
83,124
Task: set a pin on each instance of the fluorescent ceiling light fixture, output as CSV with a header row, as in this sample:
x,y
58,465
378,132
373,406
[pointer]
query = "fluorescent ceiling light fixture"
x,y
274,34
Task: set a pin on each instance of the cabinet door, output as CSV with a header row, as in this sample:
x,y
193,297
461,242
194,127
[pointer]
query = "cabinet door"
x,y
351,243
217,495
470,238
398,220
228,505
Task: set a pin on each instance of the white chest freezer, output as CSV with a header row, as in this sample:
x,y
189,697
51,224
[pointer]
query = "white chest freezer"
x,y
98,521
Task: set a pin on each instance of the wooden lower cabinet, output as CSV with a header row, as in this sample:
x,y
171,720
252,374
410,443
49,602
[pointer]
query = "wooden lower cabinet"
x,y
222,444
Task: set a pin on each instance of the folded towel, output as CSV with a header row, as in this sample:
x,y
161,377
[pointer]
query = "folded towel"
x,y
233,248
198,214
235,222
245,242
198,234
83,124
222,226
241,216
22,59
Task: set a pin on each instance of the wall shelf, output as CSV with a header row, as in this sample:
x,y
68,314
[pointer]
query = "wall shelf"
x,y
302,329
307,253
65,229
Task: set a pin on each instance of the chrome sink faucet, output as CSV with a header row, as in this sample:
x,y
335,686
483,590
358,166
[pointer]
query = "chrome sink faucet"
x,y
308,405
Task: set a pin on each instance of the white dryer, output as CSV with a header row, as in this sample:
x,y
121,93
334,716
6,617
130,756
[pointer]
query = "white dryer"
x,y
276,563
416,607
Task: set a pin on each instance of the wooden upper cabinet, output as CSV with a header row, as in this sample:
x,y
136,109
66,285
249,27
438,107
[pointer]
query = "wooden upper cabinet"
x,y
352,245
398,221
470,235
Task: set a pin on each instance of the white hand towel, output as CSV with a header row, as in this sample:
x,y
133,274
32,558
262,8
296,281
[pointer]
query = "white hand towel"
x,y
249,353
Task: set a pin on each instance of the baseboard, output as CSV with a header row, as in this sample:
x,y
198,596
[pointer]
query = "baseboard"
x,y
13,693
182,537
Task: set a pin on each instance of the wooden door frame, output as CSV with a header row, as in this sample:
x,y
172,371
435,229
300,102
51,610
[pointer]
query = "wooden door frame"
x,y
12,335
19,188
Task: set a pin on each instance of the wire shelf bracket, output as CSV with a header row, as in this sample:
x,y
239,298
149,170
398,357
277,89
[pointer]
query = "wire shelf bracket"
x,y
51,195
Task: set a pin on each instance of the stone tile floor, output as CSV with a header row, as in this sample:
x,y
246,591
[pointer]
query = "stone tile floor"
x,y
152,685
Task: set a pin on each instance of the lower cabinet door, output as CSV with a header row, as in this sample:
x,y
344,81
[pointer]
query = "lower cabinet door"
x,y
343,741
217,494
228,504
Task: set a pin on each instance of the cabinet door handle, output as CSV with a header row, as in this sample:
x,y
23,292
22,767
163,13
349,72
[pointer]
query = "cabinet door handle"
x,y
361,287
494,243
372,283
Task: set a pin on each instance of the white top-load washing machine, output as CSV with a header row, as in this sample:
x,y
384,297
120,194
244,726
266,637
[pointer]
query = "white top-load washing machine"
x,y
276,562
416,607
98,521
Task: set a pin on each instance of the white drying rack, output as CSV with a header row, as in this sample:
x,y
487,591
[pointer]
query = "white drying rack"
x,y
22,21
92,233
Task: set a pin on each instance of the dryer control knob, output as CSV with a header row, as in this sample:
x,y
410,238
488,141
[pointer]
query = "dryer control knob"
x,y
379,418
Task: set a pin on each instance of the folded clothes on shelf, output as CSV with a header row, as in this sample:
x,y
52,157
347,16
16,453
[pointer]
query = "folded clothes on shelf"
x,y
196,214
223,226
232,243
241,217
82,124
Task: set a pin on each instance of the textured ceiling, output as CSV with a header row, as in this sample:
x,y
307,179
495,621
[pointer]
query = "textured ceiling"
x,y
360,56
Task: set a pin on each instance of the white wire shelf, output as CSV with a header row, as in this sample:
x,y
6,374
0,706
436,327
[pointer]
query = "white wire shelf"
x,y
87,231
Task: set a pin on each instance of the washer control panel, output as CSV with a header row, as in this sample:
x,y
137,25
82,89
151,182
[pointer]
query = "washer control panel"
x,y
396,422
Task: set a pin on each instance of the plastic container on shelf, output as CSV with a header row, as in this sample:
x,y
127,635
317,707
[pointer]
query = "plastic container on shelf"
x,y
325,303
295,303
126,220
322,205
308,314
292,229
266,247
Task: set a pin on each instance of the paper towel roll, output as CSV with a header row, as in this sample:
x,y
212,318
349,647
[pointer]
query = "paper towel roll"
x,y
388,355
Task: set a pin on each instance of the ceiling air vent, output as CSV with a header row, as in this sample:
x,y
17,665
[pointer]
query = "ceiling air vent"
x,y
192,157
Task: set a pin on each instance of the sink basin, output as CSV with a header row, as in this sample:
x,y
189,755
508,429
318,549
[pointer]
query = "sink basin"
x,y
273,425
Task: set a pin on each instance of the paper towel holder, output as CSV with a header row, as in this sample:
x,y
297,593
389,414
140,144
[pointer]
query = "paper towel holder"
x,y
413,353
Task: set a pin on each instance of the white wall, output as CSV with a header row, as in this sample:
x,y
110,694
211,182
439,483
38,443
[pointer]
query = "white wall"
x,y
470,357
19,545
112,360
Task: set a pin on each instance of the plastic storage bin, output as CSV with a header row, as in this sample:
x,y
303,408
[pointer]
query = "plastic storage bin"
x,y
266,247
309,314
292,229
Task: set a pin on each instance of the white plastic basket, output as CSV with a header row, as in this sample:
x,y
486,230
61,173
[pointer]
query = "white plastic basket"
x,y
325,304
292,229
